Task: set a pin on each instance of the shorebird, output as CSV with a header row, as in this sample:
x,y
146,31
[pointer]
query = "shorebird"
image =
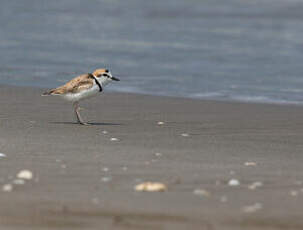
x,y
81,87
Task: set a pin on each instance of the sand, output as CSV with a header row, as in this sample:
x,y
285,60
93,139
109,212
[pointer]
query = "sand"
x,y
84,176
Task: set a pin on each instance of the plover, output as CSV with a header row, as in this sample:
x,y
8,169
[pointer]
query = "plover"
x,y
82,87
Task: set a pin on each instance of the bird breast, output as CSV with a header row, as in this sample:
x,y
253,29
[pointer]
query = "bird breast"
x,y
87,93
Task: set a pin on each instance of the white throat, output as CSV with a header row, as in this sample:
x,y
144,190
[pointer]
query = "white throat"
x,y
102,80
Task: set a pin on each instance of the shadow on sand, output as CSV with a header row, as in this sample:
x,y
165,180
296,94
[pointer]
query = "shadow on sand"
x,y
88,123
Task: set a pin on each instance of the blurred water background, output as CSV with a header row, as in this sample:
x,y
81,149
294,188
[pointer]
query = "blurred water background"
x,y
246,50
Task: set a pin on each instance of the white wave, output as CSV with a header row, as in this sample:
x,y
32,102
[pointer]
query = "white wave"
x,y
208,95
263,99
243,98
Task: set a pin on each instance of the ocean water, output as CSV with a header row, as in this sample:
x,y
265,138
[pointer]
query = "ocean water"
x,y
244,50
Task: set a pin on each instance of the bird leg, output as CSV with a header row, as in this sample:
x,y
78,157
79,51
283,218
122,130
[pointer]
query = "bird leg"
x,y
78,116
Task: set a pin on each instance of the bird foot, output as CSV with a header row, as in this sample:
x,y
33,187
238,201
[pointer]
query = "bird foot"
x,y
83,123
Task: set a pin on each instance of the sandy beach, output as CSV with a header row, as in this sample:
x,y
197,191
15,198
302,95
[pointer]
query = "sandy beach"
x,y
84,176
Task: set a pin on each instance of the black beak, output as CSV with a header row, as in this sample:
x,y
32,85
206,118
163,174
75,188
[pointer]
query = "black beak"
x,y
115,79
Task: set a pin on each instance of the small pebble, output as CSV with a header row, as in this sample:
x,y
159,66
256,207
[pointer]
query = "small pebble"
x,y
105,179
105,169
124,168
255,185
7,188
19,181
160,123
185,135
25,174
234,182
114,139
250,163
293,193
252,208
158,154
150,187
104,132
201,192
2,155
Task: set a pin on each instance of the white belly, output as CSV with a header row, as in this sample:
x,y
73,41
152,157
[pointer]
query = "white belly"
x,y
82,95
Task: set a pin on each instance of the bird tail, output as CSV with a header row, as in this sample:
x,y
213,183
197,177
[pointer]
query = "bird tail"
x,y
47,93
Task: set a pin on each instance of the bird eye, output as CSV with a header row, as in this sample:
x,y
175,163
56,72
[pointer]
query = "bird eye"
x,y
106,71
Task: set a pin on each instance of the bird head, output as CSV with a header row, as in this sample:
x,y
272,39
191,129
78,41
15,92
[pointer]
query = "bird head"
x,y
104,76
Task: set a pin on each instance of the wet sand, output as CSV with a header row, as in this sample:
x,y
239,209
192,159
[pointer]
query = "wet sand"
x,y
84,180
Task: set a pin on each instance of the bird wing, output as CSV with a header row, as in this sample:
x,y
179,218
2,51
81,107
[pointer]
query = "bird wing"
x,y
76,85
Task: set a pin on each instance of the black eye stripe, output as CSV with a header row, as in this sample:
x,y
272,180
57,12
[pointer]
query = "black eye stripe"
x,y
106,75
